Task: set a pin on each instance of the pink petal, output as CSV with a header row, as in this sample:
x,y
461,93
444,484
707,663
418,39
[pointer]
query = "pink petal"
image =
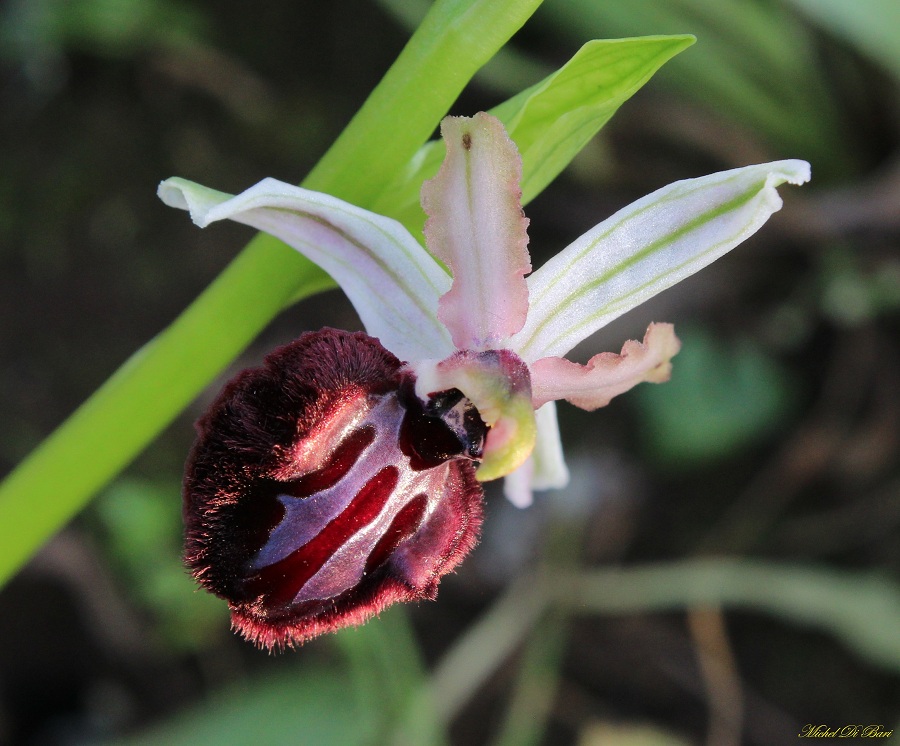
x,y
606,375
476,227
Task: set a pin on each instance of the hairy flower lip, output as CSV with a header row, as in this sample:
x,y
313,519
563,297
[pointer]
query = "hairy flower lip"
x,y
259,507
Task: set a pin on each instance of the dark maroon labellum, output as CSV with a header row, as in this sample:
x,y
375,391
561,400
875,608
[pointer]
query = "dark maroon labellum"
x,y
321,489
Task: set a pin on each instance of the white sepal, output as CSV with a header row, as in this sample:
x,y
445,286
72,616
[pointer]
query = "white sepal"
x,y
546,467
393,283
644,249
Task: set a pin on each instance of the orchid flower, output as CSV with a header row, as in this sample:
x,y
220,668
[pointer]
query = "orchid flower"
x,y
344,474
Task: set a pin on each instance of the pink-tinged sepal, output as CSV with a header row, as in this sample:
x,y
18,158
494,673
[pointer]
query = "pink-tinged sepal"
x,y
477,228
320,492
606,375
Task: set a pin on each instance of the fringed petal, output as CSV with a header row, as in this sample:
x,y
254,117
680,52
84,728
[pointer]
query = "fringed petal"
x,y
606,375
476,226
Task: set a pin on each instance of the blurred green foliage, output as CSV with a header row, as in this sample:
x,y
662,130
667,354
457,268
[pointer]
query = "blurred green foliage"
x,y
852,293
724,395
34,29
870,26
141,522
310,705
756,64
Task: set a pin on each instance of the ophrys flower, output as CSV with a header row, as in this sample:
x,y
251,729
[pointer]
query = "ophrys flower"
x,y
344,474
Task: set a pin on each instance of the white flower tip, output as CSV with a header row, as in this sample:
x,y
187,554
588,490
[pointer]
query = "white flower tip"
x,y
170,193
554,477
187,195
792,171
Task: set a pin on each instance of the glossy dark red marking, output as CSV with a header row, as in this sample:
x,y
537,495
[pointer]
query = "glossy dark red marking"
x,y
282,581
425,435
319,492
404,525
338,465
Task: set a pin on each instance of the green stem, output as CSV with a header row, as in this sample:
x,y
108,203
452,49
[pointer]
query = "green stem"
x,y
386,661
144,395
861,609
155,384
535,689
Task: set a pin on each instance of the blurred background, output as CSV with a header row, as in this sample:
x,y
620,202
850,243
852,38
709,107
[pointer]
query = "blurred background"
x,y
776,440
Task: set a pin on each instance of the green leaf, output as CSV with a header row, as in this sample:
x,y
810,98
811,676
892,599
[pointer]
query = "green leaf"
x,y
159,381
757,65
142,531
551,121
510,70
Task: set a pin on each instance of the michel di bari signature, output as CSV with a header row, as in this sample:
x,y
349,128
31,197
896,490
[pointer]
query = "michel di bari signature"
x,y
811,730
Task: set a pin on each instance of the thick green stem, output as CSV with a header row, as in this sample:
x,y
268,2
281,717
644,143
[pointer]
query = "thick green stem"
x,y
456,38
477,654
145,395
